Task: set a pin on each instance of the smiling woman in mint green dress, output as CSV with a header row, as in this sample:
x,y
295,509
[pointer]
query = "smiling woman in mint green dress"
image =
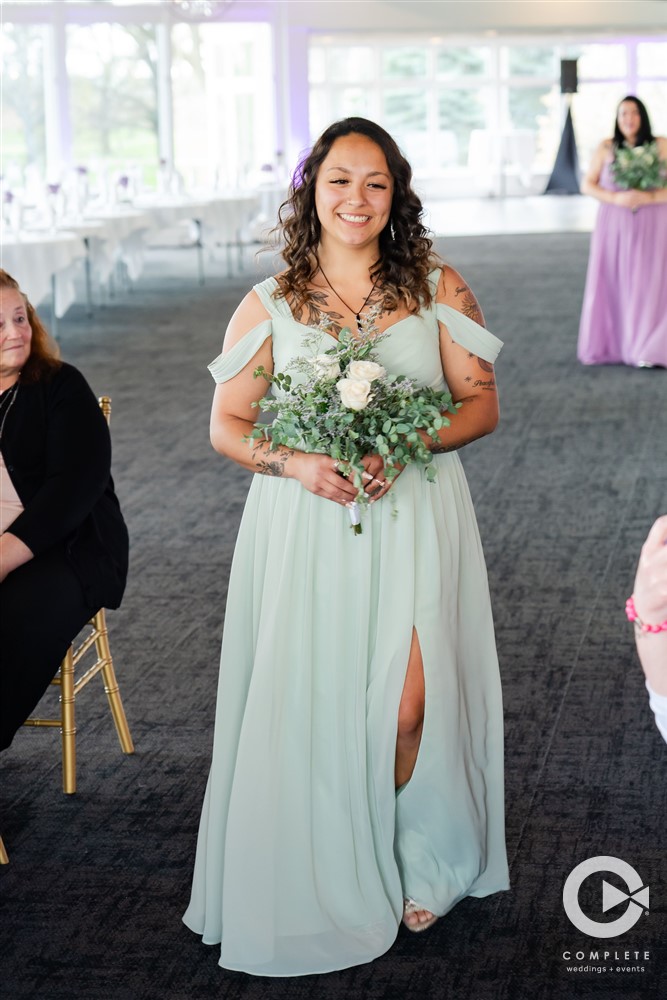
x,y
357,772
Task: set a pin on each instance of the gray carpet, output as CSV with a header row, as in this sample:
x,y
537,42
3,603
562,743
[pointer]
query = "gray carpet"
x,y
565,491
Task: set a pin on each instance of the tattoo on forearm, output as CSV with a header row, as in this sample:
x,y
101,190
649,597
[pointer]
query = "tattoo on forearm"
x,y
440,449
274,466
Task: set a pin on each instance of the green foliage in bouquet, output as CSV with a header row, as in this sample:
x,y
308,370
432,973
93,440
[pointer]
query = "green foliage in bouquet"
x,y
348,406
639,168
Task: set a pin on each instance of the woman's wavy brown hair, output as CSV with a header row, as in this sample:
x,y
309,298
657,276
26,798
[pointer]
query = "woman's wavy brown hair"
x,y
406,255
44,357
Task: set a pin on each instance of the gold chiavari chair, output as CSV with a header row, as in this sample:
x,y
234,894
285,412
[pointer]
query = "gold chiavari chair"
x,y
4,860
70,685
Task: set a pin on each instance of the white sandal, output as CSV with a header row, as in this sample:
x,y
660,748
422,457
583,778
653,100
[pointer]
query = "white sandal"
x,y
411,906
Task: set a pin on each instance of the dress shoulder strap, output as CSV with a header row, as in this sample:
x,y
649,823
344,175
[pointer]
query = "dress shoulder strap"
x,y
264,291
229,364
468,334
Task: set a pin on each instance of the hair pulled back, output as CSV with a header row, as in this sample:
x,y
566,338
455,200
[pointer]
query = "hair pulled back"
x,y
44,357
645,133
406,256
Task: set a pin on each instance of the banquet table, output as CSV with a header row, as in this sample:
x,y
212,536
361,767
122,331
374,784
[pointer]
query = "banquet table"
x,y
219,218
122,236
46,260
44,263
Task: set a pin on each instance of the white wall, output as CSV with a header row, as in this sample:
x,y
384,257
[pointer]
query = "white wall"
x,y
465,16
506,16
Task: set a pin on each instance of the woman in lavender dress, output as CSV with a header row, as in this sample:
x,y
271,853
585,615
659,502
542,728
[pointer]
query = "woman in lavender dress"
x,y
624,315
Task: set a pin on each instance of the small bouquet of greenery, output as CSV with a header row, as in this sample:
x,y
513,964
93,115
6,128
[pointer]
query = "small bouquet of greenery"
x,y
347,405
639,168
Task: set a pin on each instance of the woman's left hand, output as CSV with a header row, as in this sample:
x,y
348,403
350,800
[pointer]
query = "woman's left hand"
x,y
375,479
633,199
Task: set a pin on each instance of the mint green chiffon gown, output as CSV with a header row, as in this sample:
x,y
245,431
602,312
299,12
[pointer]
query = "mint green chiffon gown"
x,y
305,849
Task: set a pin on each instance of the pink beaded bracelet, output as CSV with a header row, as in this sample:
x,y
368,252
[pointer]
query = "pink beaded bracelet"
x,y
632,616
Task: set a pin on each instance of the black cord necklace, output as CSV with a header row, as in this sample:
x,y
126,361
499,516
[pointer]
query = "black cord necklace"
x,y
357,315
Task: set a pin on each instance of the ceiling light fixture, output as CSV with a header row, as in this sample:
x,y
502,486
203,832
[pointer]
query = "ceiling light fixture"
x,y
201,8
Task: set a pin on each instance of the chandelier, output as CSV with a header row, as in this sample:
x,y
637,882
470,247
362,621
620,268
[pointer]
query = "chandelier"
x,y
201,8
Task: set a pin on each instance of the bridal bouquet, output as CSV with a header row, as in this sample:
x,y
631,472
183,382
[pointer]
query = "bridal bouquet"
x,y
639,168
347,405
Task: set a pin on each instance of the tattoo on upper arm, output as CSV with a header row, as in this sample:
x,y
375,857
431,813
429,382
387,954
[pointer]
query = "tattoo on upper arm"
x,y
469,305
470,308
488,384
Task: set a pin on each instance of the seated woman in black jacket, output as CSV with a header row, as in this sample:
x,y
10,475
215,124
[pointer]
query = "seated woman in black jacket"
x,y
63,541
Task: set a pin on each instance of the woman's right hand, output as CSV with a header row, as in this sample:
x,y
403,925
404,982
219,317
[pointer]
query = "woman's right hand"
x,y
651,581
632,199
318,474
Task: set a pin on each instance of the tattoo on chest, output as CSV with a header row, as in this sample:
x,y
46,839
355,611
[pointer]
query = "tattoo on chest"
x,y
318,312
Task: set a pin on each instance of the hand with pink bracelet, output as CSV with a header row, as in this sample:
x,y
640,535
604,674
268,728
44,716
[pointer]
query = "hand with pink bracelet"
x,y
647,608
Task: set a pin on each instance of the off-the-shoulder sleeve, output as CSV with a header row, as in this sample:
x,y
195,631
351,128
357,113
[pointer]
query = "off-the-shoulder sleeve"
x,y
468,334
228,365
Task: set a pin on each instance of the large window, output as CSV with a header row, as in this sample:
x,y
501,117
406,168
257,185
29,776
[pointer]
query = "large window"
x,y
22,111
488,111
110,118
112,72
223,111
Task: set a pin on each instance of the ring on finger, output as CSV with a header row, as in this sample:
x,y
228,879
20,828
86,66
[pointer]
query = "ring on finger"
x,y
367,476
336,466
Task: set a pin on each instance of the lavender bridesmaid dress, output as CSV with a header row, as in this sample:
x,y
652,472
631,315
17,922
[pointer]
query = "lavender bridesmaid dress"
x,y
624,315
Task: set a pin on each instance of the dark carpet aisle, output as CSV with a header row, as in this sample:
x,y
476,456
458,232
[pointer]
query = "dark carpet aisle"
x,y
565,492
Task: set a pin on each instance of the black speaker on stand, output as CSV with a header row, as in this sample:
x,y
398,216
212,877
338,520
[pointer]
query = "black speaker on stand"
x,y
565,174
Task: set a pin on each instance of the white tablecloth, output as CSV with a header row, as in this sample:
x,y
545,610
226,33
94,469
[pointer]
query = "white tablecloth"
x,y
119,232
37,257
124,227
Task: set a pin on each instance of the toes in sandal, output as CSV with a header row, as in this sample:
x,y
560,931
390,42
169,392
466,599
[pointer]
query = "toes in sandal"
x,y
410,906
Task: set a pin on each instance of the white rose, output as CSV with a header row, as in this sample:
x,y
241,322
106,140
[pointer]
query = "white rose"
x,y
366,371
325,366
354,393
